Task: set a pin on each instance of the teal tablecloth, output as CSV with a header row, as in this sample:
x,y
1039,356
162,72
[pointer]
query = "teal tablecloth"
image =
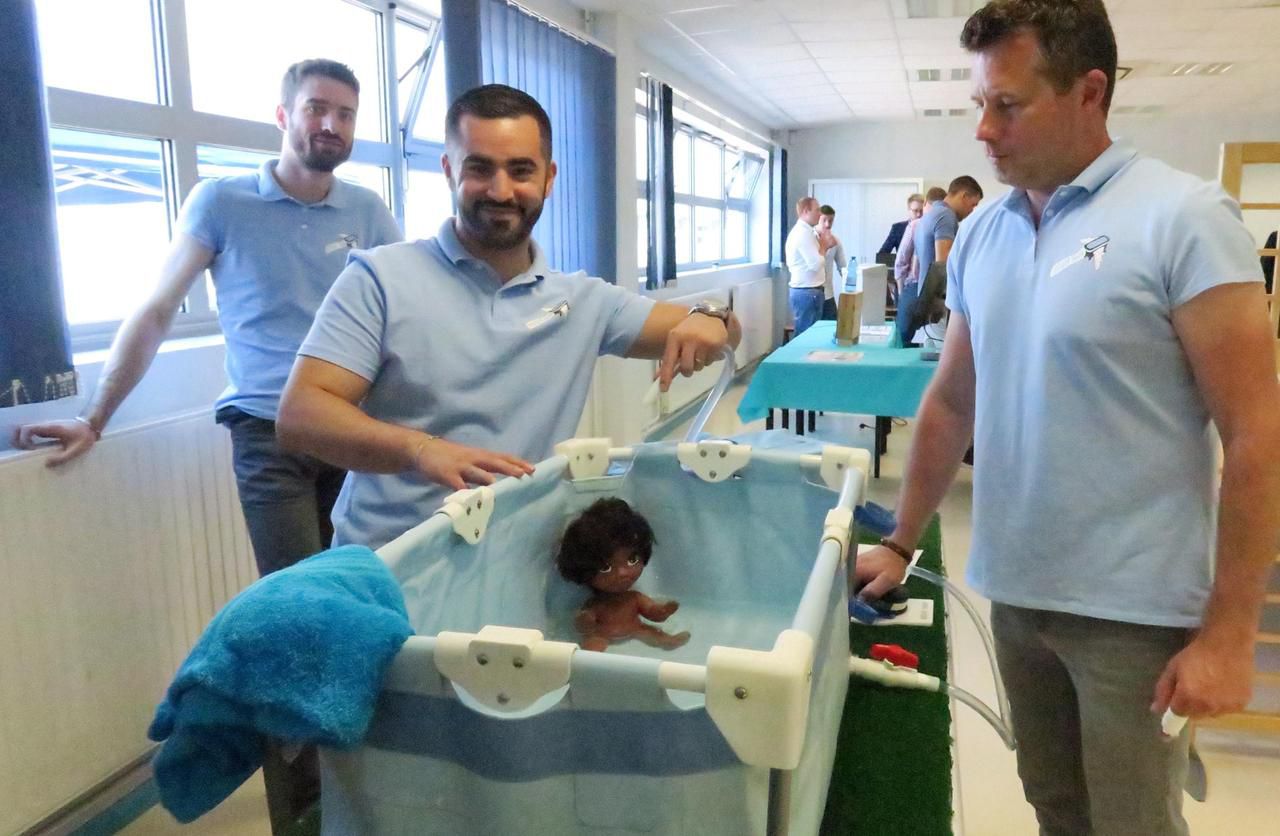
x,y
885,381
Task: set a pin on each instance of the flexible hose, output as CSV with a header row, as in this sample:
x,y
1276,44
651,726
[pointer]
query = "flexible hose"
x,y
722,385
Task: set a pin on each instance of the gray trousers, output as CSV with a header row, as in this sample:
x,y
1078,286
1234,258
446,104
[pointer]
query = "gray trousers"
x,y
286,499
1090,753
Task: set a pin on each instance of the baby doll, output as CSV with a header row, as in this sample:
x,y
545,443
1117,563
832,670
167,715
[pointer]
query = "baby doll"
x,y
607,548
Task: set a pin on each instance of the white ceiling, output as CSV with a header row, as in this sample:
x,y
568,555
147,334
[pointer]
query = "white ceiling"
x,y
795,65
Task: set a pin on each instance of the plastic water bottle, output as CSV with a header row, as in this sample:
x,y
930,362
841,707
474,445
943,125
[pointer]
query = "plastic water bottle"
x,y
852,278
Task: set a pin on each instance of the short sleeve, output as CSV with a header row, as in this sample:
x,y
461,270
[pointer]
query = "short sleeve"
x,y
385,228
955,272
625,314
947,226
349,325
199,216
1207,245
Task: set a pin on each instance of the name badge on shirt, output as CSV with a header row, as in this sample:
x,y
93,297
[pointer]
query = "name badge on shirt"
x,y
346,241
557,311
1091,250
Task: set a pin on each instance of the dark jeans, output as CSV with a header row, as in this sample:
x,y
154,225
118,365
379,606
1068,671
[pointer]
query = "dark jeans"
x,y
286,499
829,309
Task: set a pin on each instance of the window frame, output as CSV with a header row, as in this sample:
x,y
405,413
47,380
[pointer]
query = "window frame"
x,y
180,129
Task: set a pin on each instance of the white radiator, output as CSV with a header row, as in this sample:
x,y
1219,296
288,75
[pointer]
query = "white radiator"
x,y
110,568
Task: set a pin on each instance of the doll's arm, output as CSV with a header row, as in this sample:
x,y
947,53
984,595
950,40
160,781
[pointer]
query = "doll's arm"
x,y
655,611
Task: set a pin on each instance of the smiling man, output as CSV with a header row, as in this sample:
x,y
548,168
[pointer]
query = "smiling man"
x,y
453,360
1095,333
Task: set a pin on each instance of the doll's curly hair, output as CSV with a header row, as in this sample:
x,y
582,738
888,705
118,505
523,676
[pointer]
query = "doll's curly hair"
x,y
590,540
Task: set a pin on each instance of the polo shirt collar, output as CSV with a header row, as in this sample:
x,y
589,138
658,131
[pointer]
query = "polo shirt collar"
x,y
453,250
270,189
1095,175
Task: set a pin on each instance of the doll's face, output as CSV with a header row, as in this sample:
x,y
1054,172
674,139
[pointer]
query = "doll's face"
x,y
621,572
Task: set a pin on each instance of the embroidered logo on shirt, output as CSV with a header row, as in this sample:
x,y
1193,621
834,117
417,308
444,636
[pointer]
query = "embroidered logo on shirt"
x,y
1091,250
346,241
559,310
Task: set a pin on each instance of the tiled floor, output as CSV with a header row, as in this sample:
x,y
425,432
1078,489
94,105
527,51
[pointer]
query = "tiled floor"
x,y
1243,779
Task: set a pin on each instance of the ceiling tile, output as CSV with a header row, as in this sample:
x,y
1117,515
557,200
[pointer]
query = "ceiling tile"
x,y
863,30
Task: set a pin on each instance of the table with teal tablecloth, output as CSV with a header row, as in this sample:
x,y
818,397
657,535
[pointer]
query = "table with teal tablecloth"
x,y
884,381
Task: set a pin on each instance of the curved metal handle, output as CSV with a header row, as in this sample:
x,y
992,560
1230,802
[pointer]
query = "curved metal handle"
x,y
717,392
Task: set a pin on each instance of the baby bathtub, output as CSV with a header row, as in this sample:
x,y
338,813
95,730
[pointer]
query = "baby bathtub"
x,y
492,721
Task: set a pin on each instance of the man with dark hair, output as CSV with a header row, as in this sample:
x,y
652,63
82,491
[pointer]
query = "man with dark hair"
x,y
835,264
906,270
1094,334
892,241
274,241
931,241
427,357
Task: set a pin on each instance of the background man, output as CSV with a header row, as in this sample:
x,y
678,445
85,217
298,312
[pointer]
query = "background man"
x,y
932,239
806,261
835,263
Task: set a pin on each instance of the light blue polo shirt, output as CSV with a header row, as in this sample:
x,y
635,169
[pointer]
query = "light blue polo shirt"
x,y
275,258
452,351
938,224
1093,462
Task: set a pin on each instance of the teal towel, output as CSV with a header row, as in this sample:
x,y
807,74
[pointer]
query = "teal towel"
x,y
298,656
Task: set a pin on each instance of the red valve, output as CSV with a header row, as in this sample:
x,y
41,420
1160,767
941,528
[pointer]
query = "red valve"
x,y
895,655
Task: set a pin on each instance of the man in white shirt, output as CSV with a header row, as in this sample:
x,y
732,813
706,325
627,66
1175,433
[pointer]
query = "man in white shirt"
x,y
833,259
806,256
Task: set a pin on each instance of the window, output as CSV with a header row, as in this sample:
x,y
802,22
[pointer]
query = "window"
x,y
95,47
113,221
715,184
212,116
239,49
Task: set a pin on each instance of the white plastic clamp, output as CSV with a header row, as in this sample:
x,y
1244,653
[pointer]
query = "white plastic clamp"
x,y
759,700
838,526
837,461
713,460
506,669
588,457
470,511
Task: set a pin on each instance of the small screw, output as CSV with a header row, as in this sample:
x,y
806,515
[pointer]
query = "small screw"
x,y
477,532
839,467
518,662
468,512
503,699
724,454
713,474
591,457
702,453
479,504
740,692
482,659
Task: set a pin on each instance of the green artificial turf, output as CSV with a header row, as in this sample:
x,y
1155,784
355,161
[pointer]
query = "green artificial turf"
x,y
892,773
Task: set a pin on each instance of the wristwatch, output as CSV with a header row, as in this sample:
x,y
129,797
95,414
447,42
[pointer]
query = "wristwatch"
x,y
709,308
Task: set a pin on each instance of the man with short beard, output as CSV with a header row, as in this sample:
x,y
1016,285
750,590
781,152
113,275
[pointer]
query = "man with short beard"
x,y
274,241
429,356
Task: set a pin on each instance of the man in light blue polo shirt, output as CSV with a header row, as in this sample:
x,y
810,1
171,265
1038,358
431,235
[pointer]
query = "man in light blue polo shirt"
x,y
1095,333
932,237
274,241
444,362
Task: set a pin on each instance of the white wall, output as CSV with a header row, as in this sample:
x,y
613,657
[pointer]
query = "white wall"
x,y
941,149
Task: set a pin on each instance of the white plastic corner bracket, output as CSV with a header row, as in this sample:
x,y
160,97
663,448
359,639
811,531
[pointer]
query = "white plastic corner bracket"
x,y
506,669
837,526
837,461
760,699
713,460
470,511
588,457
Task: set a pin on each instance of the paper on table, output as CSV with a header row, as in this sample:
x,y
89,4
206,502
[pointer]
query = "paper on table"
x,y
877,330
834,356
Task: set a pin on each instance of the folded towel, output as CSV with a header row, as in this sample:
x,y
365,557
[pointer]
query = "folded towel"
x,y
299,656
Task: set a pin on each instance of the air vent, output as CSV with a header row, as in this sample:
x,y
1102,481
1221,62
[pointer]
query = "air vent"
x,y
1211,68
932,111
961,74
958,111
928,75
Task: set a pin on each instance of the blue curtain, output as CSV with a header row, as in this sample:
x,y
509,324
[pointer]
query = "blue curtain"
x,y
490,41
35,352
661,184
